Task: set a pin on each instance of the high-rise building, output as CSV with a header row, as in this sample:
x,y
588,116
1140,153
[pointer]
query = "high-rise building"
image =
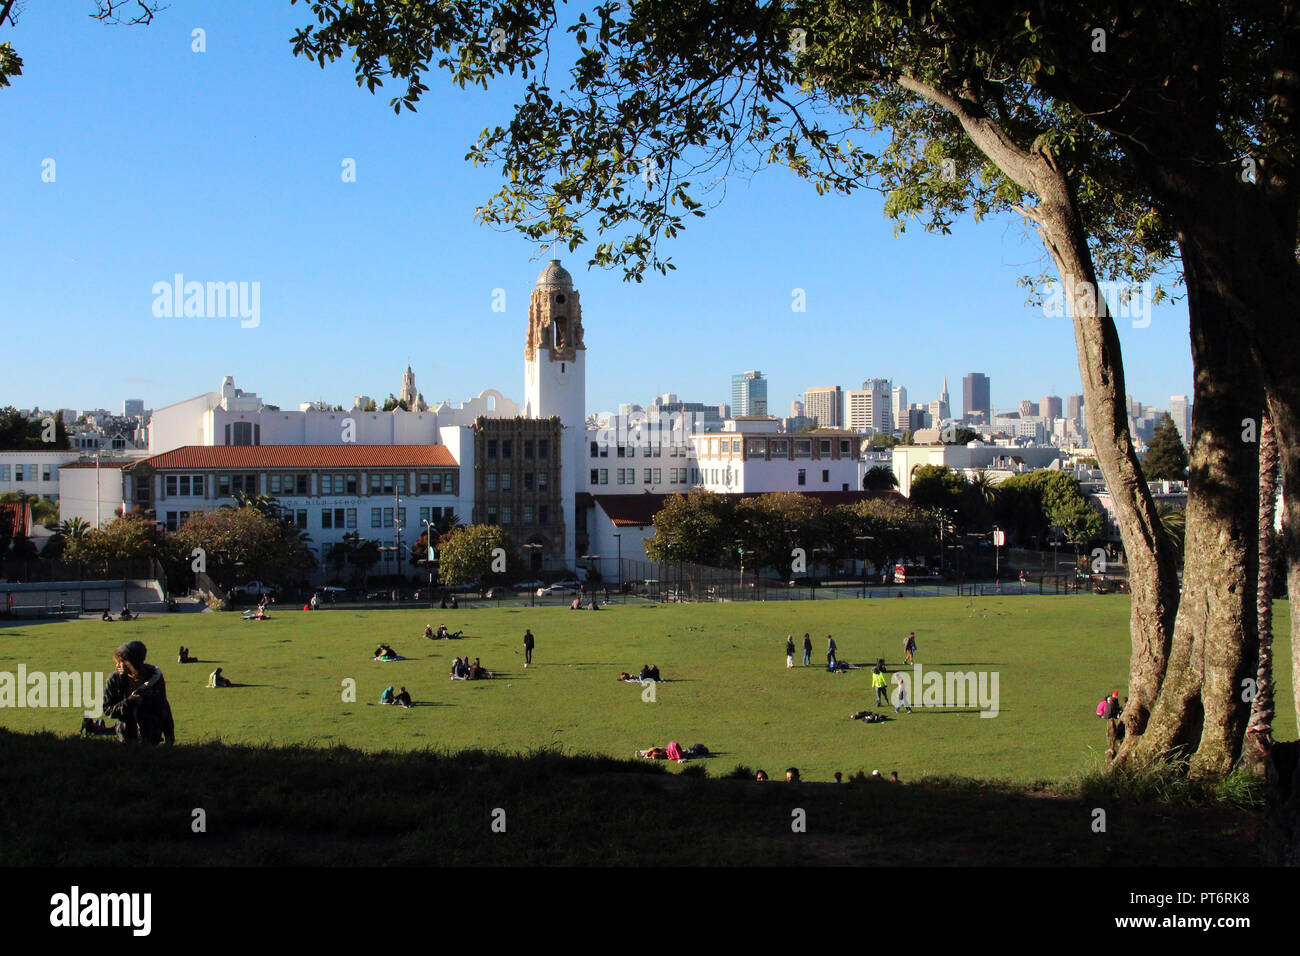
x,y
869,407
1074,408
823,403
1180,410
898,406
975,398
748,394
1028,409
132,407
796,409
1049,406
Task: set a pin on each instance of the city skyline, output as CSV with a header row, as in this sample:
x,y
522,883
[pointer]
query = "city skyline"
x,y
355,231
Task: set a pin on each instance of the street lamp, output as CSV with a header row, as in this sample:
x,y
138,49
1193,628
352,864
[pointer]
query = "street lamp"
x,y
428,533
865,537
534,548
618,537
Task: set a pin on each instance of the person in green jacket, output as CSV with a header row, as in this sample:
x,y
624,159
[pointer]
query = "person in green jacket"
x,y
880,682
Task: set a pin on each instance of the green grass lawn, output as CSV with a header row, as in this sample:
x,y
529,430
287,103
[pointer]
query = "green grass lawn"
x,y
727,683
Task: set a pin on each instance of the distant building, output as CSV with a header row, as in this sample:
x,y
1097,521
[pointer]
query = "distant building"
x,y
823,403
1050,406
976,406
132,408
898,406
748,394
869,407
1180,410
1028,408
1074,408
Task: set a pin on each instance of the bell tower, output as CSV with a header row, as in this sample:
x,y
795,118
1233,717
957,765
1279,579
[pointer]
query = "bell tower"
x,y
555,378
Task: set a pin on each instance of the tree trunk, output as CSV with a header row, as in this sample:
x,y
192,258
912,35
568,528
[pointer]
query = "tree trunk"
x,y
1201,710
1259,729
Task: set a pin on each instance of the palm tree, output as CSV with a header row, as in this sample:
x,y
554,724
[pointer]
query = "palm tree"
x,y
984,486
1173,525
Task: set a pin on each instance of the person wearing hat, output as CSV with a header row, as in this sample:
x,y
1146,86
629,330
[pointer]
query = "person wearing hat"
x,y
137,696
1113,706
880,681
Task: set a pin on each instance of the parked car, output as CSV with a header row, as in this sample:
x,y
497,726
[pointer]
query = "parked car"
x,y
558,589
530,585
257,587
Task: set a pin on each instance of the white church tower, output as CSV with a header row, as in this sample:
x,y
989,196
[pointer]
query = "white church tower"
x,y
555,380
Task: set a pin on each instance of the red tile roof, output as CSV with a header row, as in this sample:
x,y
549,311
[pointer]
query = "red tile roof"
x,y
639,510
304,456
21,515
106,463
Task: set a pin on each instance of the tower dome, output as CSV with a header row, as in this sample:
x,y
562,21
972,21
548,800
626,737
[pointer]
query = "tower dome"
x,y
555,276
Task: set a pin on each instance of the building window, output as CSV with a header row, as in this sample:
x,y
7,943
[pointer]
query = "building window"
x,y
844,448
505,481
735,446
528,514
388,517
595,449
300,518
171,521
648,474
492,514
528,481
507,515
604,476
780,449
542,512
528,448
543,447
803,477
542,480
507,447
401,517
491,481
826,475
658,475
424,516
4,472
825,448
622,451
631,451
376,518
595,476
803,448
332,518
492,448
352,517
755,448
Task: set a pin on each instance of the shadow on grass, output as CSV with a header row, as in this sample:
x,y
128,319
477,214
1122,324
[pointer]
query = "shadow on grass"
x,y
298,805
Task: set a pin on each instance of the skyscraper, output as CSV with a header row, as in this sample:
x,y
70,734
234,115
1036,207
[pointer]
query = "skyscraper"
x,y
1180,410
975,398
748,394
1074,408
898,405
945,408
823,403
869,407
1049,406
1027,409
796,409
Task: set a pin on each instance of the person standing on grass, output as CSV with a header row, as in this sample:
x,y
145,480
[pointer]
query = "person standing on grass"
x,y
880,682
807,649
902,695
909,648
528,647
789,650
830,653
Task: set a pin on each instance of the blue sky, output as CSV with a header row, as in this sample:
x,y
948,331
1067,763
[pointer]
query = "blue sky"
x,y
225,166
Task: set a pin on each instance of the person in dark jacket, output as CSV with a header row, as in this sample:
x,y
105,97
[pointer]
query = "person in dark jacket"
x,y
137,696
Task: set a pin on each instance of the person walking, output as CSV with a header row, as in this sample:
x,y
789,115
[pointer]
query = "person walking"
x,y
789,650
909,648
528,647
902,695
807,649
880,682
830,653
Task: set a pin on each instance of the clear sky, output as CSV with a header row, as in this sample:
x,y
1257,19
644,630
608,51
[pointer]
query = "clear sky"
x,y
226,166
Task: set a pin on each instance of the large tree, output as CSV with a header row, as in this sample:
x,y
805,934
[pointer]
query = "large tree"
x,y
1166,457
986,109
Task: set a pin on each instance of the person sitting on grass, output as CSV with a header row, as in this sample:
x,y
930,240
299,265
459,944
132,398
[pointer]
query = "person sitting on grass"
x,y
387,696
477,671
126,614
216,679
576,605
403,699
184,656
137,696
455,605
106,616
428,631
459,670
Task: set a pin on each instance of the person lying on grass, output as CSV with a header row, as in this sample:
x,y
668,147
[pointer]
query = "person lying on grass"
x,y
385,653
650,673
